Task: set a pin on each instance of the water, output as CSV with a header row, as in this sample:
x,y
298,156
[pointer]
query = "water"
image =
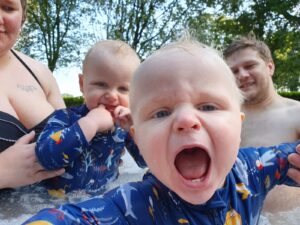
x,y
17,206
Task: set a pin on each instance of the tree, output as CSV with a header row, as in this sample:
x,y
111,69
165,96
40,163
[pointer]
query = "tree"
x,y
277,22
53,27
144,24
63,29
58,27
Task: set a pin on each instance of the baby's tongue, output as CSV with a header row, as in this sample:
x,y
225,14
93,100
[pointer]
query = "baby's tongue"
x,y
192,163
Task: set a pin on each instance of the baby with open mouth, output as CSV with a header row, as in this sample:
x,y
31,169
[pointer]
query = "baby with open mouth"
x,y
187,122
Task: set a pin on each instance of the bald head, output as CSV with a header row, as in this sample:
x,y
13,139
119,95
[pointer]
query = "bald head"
x,y
108,50
185,59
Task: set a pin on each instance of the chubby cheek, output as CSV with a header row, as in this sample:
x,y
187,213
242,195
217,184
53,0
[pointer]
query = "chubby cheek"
x,y
152,148
226,144
227,159
124,100
92,101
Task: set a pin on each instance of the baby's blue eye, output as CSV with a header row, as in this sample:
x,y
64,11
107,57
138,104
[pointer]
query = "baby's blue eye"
x,y
102,85
162,113
123,89
207,108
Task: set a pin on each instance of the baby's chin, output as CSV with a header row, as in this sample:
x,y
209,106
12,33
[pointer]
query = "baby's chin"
x,y
199,197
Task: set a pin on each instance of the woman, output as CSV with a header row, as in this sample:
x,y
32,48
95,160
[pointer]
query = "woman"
x,y
28,95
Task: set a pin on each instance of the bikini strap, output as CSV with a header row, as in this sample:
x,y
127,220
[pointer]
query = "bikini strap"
x,y
26,66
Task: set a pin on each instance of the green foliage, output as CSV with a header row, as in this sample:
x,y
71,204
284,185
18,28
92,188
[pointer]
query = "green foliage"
x,y
64,29
53,27
145,24
286,56
276,22
73,101
292,95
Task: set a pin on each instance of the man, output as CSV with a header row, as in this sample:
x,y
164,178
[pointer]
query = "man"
x,y
270,118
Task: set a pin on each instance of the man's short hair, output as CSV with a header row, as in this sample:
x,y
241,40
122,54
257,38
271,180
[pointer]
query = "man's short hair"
x,y
249,41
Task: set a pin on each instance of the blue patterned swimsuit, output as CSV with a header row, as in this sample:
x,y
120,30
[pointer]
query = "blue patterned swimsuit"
x,y
89,166
255,172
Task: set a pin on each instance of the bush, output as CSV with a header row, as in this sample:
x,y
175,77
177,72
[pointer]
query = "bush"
x,y
73,101
293,95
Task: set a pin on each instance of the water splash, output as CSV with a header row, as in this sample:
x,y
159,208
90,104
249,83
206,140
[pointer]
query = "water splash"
x,y
17,206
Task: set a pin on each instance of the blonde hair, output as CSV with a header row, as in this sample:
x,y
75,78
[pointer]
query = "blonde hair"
x,y
115,47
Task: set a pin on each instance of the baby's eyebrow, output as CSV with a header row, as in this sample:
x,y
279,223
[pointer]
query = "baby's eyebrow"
x,y
154,102
98,82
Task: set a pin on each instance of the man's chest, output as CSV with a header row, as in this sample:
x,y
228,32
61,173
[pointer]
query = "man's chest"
x,y
266,130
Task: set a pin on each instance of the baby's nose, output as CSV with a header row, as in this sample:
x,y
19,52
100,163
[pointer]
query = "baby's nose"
x,y
186,121
111,95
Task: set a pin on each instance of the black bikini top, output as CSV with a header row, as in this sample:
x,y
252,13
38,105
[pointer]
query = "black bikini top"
x,y
11,129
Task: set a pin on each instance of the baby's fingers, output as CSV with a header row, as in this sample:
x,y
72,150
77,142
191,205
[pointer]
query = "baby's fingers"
x,y
294,174
294,159
298,148
121,112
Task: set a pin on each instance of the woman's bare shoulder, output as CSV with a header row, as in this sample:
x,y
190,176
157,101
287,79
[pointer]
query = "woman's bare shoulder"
x,y
37,67
46,79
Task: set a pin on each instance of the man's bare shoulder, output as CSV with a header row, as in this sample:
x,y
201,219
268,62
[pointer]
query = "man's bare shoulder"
x,y
279,107
275,124
290,107
285,114
288,102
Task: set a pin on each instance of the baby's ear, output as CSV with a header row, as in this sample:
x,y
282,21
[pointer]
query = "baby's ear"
x,y
243,116
80,79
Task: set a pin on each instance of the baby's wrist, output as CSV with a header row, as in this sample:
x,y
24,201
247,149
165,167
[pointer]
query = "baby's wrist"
x,y
88,127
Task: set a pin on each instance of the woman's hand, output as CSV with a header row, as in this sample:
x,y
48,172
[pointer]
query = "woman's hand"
x,y
19,166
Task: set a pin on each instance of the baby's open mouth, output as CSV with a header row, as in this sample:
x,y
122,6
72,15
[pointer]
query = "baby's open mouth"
x,y
192,163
